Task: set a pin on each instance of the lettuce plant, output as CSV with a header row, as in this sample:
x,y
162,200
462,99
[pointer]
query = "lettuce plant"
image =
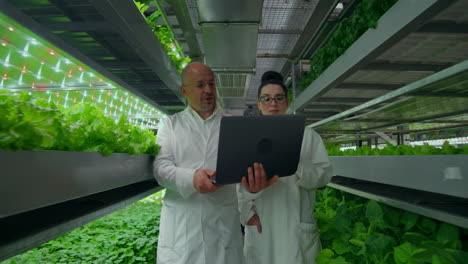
x,y
28,123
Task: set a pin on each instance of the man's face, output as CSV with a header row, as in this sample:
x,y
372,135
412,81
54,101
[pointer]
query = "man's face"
x,y
199,88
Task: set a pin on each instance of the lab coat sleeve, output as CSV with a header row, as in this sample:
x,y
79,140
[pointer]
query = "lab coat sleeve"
x,y
314,169
165,170
246,202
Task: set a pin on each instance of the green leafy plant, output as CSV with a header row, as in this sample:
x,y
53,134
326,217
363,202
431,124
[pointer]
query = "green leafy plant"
x,y
426,149
165,36
365,16
355,230
28,123
129,235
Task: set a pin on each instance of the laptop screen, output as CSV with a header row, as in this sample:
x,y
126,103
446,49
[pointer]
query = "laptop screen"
x,y
274,141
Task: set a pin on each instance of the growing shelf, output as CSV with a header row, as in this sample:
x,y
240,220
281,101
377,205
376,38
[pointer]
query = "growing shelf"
x,y
111,37
413,40
436,102
64,190
57,176
33,65
431,185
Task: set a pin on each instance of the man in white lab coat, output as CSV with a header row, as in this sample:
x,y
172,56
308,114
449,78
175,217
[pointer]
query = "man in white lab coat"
x,y
199,220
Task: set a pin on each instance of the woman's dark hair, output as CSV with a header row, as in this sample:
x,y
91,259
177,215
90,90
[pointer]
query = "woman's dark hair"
x,y
272,77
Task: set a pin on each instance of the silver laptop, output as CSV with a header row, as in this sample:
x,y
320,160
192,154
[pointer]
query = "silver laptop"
x,y
274,141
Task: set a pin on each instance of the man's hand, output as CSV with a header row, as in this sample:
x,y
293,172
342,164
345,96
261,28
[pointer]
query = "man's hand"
x,y
202,181
255,221
257,179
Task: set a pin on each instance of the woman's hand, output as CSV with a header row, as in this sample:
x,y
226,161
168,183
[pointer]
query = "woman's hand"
x,y
255,221
257,178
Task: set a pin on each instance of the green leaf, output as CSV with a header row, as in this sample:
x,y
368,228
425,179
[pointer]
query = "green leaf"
x,y
348,30
448,233
356,242
142,7
414,238
325,256
374,212
409,220
404,253
340,247
378,243
339,260
436,260
427,225
29,124
121,237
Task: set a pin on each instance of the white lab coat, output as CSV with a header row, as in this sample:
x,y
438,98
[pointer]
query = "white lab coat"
x,y
285,209
194,227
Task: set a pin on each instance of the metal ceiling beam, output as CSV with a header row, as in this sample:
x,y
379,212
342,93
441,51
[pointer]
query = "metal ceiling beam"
x,y
387,138
318,17
133,28
342,133
395,123
105,43
344,100
156,85
64,9
439,94
403,18
280,31
123,64
369,86
388,66
80,26
405,131
447,122
311,108
269,55
358,119
444,27
39,12
45,33
234,103
322,114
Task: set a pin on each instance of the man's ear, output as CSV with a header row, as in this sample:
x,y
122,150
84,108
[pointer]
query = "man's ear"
x,y
182,90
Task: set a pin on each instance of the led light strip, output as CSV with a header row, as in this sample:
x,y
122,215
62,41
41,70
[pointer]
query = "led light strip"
x,y
31,64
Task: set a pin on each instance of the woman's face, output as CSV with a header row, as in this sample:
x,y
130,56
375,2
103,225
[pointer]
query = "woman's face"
x,y
272,100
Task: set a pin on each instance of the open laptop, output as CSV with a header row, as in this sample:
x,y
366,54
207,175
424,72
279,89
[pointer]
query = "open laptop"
x,y
274,141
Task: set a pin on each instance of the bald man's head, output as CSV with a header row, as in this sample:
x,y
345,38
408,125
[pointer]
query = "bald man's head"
x,y
198,86
192,68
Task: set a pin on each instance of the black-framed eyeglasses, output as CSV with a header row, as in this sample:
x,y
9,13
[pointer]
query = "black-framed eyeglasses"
x,y
279,99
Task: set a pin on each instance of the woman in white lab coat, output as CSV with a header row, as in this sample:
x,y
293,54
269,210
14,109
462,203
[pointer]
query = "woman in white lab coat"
x,y
279,221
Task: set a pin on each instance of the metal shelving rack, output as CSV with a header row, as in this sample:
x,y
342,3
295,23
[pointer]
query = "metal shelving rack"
x,y
432,185
45,194
413,40
409,75
111,37
396,68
